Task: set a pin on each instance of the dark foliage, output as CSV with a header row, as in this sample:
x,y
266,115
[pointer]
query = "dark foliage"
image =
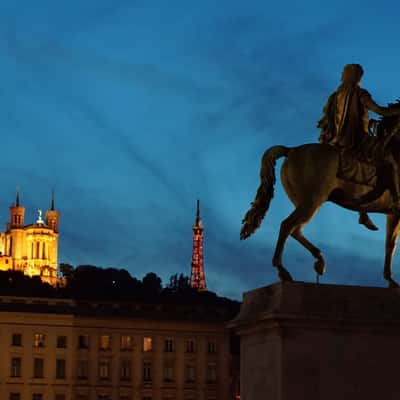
x,y
88,282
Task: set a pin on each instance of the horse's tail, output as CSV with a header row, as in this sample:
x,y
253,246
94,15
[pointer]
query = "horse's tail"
x,y
259,207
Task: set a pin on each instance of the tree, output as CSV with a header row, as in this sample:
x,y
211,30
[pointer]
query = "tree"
x,y
152,283
179,283
67,271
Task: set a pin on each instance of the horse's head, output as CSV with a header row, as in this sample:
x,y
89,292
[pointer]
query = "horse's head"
x,y
390,125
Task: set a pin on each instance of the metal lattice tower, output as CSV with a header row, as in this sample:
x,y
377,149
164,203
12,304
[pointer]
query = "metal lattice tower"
x,y
197,278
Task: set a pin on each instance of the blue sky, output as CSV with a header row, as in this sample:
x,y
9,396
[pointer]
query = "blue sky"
x,y
131,110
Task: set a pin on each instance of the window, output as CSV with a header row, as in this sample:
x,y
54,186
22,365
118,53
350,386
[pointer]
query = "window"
x,y
104,369
126,342
83,341
83,369
168,371
190,373
190,346
61,342
38,367
37,396
60,396
125,370
15,367
38,340
16,339
147,344
103,397
105,342
169,345
147,371
60,369
211,373
212,346
15,396
146,397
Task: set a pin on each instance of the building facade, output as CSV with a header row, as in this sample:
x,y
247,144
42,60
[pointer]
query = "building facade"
x,y
57,349
32,248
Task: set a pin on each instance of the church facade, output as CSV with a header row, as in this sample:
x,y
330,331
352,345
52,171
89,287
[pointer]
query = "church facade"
x,y
32,249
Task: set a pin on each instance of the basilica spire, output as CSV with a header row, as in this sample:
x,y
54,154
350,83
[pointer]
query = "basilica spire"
x,y
197,278
52,201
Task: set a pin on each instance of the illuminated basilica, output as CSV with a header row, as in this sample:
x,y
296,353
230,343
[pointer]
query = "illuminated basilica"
x,y
31,248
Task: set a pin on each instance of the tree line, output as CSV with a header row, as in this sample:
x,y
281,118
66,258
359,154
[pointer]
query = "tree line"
x,y
109,284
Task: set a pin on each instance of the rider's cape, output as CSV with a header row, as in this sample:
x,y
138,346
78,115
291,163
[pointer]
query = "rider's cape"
x,y
345,126
345,120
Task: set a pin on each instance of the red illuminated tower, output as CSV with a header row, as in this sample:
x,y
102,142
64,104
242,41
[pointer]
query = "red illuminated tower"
x,y
197,278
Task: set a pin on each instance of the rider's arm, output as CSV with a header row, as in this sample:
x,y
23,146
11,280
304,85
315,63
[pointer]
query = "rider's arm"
x,y
368,102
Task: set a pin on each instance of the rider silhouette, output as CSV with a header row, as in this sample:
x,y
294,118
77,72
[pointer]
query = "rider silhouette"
x,y
346,125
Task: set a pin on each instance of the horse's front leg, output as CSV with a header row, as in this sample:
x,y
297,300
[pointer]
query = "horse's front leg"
x,y
392,233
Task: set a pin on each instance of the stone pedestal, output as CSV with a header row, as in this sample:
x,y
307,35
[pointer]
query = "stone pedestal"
x,y
319,342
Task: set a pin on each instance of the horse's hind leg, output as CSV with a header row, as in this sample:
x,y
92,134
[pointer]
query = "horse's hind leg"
x,y
392,234
319,265
299,217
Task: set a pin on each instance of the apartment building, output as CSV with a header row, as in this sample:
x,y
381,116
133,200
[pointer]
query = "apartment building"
x,y
62,349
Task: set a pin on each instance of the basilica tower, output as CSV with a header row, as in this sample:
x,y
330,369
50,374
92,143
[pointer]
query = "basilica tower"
x,y
15,242
197,278
52,216
17,214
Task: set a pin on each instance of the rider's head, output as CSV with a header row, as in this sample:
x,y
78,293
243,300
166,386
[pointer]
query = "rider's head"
x,y
352,73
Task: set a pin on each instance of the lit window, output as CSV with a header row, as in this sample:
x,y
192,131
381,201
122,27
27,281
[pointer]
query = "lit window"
x,y
190,346
83,369
16,339
61,342
38,340
169,345
147,371
125,370
15,371
104,368
147,344
38,367
126,342
60,369
105,342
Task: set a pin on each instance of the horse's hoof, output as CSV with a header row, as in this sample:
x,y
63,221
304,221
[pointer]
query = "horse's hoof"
x,y
284,275
320,266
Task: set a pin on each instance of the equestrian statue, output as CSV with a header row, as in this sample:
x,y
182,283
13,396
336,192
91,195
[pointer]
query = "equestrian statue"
x,y
355,165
